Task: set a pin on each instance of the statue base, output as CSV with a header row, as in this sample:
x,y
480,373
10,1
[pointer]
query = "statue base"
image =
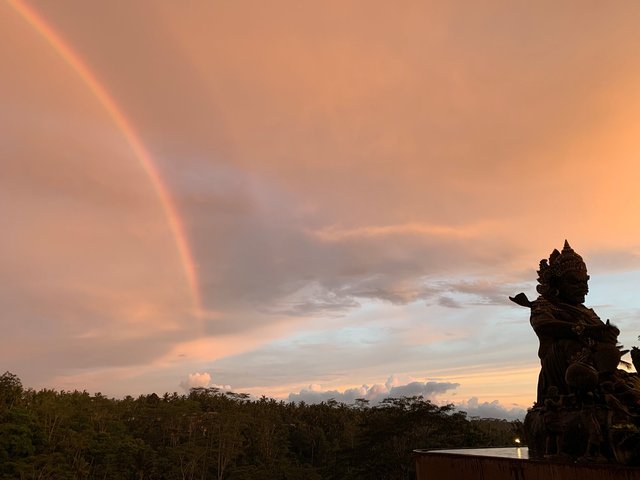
x,y
511,463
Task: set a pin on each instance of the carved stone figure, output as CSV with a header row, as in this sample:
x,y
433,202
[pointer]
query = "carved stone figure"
x,y
553,425
585,405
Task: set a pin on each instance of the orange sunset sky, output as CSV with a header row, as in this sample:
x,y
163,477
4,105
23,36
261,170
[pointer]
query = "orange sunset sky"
x,y
308,199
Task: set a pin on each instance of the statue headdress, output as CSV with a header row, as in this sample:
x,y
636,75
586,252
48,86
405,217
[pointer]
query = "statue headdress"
x,y
559,264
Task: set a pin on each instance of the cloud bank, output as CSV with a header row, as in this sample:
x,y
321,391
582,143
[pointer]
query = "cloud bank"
x,y
392,388
374,393
494,409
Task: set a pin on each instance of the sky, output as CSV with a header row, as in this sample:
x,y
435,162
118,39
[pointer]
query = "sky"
x,y
310,200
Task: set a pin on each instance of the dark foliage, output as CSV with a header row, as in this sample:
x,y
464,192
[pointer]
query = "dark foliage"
x,y
210,434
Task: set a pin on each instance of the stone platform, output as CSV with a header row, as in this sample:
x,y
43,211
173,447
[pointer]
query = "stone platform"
x,y
511,463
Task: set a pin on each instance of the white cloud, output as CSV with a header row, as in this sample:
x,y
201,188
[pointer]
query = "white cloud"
x,y
195,380
201,380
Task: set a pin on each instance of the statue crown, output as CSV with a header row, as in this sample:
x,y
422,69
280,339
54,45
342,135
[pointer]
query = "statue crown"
x,y
561,263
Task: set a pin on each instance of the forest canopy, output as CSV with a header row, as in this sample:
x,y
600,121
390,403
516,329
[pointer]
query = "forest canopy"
x,y
211,434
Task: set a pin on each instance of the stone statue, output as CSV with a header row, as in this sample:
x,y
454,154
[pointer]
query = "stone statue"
x,y
585,404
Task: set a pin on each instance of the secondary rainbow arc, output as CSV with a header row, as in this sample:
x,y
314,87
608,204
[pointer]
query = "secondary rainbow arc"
x,y
35,21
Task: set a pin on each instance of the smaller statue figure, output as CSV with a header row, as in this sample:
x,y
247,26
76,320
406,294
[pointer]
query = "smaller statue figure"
x,y
595,438
553,425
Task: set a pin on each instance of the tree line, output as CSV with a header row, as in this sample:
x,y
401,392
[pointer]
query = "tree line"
x,y
211,434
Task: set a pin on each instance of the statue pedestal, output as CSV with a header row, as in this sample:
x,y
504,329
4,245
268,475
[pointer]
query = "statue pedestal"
x,y
509,464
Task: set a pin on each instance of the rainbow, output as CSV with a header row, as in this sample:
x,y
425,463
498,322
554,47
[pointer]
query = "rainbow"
x,y
35,21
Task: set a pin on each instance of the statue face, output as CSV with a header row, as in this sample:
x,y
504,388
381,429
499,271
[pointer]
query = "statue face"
x,y
573,287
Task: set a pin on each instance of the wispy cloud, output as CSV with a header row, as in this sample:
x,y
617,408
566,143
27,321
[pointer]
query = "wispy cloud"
x,y
336,234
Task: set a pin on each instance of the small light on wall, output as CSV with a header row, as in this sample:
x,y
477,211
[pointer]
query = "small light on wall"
x,y
517,441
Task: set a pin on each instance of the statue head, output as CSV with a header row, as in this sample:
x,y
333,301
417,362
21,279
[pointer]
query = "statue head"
x,y
563,277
